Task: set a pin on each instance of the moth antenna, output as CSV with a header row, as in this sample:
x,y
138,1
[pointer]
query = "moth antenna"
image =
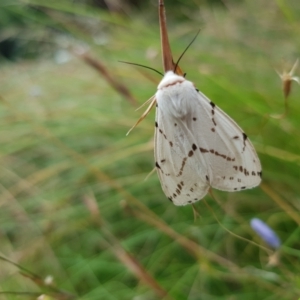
x,y
188,46
146,67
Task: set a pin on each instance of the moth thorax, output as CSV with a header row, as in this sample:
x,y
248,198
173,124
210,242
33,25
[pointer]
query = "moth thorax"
x,y
177,100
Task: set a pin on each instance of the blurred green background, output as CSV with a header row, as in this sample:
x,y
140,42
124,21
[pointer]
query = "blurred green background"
x,y
78,220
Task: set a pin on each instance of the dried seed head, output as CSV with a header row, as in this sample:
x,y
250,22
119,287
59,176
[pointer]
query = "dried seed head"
x,y
287,79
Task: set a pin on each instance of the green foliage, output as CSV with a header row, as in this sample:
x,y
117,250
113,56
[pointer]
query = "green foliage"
x,y
74,203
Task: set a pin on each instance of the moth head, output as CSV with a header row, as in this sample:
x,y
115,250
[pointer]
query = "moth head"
x,y
169,79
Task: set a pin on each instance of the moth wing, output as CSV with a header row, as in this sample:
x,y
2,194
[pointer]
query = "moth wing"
x,y
180,166
230,157
203,148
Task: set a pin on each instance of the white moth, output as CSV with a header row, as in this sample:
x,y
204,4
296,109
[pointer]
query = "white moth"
x,y
198,146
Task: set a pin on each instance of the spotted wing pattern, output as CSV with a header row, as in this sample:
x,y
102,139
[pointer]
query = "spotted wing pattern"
x,y
197,146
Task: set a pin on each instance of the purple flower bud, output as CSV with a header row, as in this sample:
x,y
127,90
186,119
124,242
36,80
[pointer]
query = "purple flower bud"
x,y
265,232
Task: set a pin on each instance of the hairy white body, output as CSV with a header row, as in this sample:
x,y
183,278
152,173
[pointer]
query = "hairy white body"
x,y
198,146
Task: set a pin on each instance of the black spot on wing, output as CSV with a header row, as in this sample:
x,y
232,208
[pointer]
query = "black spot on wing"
x,y
212,151
203,150
179,186
213,113
182,166
163,133
244,140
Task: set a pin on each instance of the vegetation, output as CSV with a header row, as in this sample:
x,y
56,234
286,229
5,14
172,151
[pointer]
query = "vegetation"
x,y
74,203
